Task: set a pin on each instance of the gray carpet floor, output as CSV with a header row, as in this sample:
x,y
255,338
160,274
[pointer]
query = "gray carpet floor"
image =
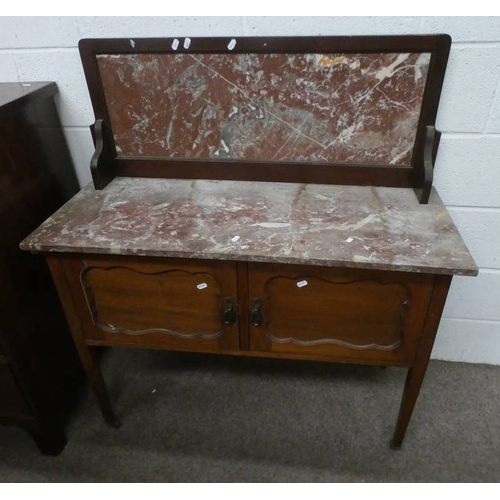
x,y
205,418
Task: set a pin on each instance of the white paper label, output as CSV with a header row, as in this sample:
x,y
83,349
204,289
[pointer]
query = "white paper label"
x,y
132,43
175,44
302,283
232,44
187,43
201,286
234,239
349,240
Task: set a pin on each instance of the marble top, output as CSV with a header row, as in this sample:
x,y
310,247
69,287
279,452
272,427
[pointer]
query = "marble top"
x,y
326,225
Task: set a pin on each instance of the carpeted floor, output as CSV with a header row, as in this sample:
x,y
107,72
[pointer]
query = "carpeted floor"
x,y
203,418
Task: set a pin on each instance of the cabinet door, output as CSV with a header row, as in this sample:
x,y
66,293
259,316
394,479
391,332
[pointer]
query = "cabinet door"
x,y
155,303
337,313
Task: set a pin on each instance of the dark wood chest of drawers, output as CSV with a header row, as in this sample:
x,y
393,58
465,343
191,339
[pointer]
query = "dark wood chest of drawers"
x,y
38,365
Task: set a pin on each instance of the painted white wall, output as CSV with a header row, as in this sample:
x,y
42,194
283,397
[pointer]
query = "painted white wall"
x,y
468,163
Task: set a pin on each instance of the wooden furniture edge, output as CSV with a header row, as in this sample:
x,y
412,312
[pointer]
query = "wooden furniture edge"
x,y
416,373
87,353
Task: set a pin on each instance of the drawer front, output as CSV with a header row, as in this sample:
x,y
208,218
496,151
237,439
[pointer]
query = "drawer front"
x,y
339,313
169,303
12,404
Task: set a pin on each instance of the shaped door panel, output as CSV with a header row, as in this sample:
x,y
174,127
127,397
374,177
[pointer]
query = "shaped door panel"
x,y
338,312
169,303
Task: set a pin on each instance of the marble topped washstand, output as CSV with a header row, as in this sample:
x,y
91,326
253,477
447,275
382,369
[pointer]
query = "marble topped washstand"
x,y
337,273
260,197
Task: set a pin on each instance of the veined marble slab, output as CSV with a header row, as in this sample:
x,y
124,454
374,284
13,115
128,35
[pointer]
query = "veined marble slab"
x,y
326,225
354,108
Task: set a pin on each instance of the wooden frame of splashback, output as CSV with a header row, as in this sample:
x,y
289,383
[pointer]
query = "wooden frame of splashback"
x,y
106,164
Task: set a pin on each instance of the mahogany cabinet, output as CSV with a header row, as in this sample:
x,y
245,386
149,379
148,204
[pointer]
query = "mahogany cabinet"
x,y
39,367
260,197
236,307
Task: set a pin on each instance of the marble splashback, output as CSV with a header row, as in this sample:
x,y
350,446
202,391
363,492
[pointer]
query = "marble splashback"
x,y
359,108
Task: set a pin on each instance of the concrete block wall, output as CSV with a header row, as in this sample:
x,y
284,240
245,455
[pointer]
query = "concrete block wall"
x,y
468,164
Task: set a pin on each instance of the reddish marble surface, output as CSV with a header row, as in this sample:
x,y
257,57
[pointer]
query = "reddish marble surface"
x,y
361,108
341,226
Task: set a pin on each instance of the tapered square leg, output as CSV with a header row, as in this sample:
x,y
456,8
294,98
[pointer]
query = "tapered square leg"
x,y
87,353
411,391
416,373
96,380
